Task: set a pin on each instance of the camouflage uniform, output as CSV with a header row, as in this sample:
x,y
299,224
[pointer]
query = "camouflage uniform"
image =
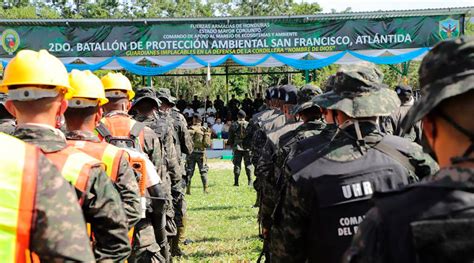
x,y
102,206
314,205
7,123
58,227
240,151
430,221
202,139
125,183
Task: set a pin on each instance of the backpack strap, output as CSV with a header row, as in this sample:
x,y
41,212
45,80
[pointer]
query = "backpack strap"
x,y
136,129
395,154
103,131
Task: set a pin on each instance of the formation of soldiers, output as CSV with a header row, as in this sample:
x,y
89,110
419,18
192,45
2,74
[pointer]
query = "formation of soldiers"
x,y
347,176
92,171
96,172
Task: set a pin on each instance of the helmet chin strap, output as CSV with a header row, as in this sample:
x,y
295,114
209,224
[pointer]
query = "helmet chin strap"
x,y
465,157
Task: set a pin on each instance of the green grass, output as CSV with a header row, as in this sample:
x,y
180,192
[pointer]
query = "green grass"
x,y
223,223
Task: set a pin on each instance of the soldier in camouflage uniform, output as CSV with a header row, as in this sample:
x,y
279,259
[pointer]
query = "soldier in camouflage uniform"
x,y
330,186
82,116
145,109
57,228
431,221
201,140
273,119
178,132
150,239
393,123
236,138
37,105
7,122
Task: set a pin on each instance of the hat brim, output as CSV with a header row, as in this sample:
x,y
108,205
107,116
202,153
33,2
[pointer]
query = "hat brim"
x,y
169,99
137,100
303,106
437,92
369,104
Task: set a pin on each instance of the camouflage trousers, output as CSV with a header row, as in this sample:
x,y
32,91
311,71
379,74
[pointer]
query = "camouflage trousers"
x,y
200,159
179,203
237,161
145,249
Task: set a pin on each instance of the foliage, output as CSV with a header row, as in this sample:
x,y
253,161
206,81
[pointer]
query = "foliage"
x,y
193,85
222,224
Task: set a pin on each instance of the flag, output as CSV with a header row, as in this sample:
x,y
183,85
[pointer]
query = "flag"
x,y
208,79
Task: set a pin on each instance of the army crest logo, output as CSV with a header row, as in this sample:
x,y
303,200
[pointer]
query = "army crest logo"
x,y
10,41
449,28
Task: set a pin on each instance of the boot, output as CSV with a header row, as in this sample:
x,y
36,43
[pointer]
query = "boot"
x,y
204,184
188,188
178,239
236,180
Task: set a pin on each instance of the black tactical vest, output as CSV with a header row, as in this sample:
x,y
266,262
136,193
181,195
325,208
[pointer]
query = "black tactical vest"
x,y
339,194
428,222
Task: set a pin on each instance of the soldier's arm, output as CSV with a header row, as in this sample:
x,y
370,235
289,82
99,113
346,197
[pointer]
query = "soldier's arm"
x,y
126,184
153,148
103,210
289,240
423,163
368,242
174,169
59,230
185,138
230,141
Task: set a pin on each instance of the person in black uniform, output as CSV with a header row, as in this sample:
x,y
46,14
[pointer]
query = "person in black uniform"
x,y
431,221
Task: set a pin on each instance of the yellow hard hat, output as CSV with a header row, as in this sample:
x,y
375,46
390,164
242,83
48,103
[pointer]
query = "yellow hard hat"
x,y
117,81
29,67
86,85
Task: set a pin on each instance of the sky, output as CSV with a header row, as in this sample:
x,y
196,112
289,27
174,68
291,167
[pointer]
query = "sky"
x,y
376,5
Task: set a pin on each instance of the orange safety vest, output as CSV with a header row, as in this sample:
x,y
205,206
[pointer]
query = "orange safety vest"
x,y
121,126
75,166
107,153
19,176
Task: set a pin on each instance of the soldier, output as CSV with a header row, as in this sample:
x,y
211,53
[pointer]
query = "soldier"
x,y
240,151
37,98
431,221
34,200
393,123
82,116
181,141
117,126
7,122
330,186
201,140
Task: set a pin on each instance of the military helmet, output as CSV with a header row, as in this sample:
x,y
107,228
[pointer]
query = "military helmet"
x,y
289,94
359,92
446,71
146,93
30,76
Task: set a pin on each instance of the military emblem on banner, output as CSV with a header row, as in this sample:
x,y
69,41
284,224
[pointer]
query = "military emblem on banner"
x,y
10,41
449,28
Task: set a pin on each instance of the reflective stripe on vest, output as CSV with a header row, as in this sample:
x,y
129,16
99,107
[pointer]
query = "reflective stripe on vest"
x,y
107,153
74,166
121,126
17,195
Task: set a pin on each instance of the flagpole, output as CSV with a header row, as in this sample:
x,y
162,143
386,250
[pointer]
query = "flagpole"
x,y
208,84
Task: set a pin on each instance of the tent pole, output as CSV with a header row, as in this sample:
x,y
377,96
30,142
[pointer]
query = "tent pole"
x,y
148,78
306,77
227,84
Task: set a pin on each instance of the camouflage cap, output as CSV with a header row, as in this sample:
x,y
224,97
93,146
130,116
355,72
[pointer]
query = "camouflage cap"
x,y
304,97
165,94
275,92
290,94
359,92
446,71
330,83
145,93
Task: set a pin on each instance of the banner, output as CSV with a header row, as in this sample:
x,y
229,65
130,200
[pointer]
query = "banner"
x,y
223,36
